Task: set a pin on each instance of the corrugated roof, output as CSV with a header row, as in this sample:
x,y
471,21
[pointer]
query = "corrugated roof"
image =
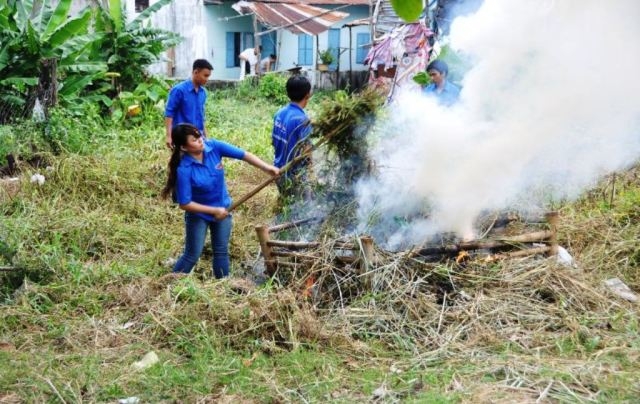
x,y
296,17
320,2
358,22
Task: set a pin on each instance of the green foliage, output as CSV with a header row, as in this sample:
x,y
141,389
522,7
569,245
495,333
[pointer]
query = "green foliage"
x,y
23,140
273,88
148,95
35,31
408,10
326,56
128,48
422,78
32,32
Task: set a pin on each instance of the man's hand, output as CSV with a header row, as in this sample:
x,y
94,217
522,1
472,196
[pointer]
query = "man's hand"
x,y
168,141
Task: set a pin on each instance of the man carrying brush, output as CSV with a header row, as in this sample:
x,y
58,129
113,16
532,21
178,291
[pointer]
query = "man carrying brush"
x,y
290,138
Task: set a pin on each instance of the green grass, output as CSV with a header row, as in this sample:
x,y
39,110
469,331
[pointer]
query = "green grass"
x,y
90,295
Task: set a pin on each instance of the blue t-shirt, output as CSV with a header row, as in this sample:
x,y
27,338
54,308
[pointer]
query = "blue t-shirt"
x,y
449,94
204,182
290,125
185,105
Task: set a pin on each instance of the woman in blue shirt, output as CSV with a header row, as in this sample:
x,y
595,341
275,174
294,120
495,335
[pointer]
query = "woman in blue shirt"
x,y
196,180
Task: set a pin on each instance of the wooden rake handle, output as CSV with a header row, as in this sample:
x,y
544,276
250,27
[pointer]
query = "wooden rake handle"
x,y
284,169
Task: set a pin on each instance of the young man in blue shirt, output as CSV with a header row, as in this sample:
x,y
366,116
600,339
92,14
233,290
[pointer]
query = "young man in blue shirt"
x,y
289,137
187,99
446,93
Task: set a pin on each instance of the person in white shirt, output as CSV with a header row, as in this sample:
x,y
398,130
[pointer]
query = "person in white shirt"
x,y
250,56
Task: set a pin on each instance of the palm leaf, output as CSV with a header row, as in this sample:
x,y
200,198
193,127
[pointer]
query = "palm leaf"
x,y
70,29
58,17
115,11
23,13
75,84
76,45
84,67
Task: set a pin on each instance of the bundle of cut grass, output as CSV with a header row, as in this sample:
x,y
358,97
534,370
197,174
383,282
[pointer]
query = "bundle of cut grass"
x,y
339,117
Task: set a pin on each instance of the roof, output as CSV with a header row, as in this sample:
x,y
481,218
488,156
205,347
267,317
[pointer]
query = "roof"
x,y
320,2
296,17
358,22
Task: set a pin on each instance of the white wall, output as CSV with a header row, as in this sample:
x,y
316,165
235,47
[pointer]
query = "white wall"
x,y
186,18
217,27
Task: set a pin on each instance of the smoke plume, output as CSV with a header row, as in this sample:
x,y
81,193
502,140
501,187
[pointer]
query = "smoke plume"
x,y
550,104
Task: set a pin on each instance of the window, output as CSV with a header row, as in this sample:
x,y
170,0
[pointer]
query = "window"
x,y
305,50
141,5
363,43
236,42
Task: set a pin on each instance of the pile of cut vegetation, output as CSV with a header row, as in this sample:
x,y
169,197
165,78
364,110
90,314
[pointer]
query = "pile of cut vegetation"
x,y
89,295
466,305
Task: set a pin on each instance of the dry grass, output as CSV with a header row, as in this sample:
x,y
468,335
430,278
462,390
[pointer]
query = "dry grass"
x,y
521,330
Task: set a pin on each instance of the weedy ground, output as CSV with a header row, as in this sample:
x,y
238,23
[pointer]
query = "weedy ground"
x,y
89,295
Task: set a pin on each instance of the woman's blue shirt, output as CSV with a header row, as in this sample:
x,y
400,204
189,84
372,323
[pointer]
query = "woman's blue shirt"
x,y
204,182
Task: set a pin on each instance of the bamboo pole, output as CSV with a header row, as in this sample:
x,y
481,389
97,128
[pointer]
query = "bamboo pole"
x,y
538,236
553,218
288,225
291,254
286,167
293,245
263,237
520,253
367,250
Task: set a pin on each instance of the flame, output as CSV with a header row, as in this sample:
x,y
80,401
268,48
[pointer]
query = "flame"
x,y
308,286
462,256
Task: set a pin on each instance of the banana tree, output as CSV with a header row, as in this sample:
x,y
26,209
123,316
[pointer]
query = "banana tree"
x,y
129,47
32,31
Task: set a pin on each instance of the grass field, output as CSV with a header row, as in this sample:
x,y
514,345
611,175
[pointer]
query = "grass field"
x,y
89,296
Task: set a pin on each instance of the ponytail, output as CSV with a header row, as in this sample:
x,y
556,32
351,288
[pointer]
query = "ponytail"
x,y
174,161
179,135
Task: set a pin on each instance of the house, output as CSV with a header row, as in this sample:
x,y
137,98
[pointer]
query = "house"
x,y
294,30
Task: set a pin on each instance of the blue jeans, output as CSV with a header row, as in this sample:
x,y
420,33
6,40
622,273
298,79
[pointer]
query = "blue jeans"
x,y
196,233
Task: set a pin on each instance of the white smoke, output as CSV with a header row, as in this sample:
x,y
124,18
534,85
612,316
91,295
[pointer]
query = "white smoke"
x,y
550,105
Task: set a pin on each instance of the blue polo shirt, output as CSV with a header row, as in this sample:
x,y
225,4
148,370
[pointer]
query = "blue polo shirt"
x,y
204,182
185,105
290,125
449,94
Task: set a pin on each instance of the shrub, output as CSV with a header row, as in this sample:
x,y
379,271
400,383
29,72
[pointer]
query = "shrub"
x,y
273,87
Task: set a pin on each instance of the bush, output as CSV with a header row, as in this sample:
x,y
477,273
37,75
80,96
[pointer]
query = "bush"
x,y
273,87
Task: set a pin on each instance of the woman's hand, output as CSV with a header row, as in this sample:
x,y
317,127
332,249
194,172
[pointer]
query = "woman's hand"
x,y
273,170
219,213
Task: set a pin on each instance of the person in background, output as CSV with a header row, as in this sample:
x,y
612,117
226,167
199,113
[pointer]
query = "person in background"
x,y
289,137
250,56
267,64
196,177
187,99
446,92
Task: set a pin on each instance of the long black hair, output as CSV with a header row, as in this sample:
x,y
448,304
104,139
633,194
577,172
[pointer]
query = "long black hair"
x,y
179,135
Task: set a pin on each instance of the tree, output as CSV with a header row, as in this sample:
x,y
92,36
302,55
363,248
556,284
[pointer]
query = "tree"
x,y
32,32
128,48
